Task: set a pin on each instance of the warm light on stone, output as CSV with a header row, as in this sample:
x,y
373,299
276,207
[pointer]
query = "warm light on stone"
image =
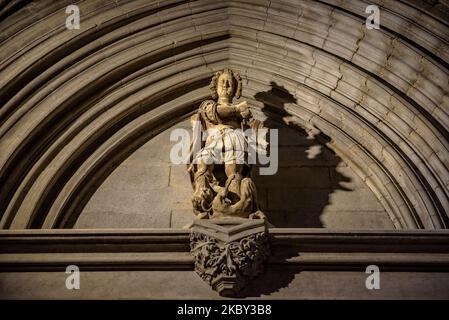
x,y
352,197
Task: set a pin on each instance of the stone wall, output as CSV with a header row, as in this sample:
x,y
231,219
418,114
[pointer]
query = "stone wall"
x,y
157,264
187,285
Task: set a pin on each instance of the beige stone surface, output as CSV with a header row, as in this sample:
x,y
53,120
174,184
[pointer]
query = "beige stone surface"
x,y
187,285
144,191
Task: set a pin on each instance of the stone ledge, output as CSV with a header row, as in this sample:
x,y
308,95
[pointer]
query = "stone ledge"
x,y
168,249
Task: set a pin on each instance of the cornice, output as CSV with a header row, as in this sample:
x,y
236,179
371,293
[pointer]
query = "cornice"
x,y
168,249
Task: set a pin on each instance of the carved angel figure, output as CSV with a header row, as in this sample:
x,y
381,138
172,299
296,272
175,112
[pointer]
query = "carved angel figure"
x,y
219,168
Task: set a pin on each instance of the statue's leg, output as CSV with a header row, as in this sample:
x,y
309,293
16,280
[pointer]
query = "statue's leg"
x,y
203,193
234,172
203,167
249,204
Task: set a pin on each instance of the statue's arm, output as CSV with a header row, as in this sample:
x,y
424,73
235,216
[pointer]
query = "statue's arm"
x,y
229,111
232,111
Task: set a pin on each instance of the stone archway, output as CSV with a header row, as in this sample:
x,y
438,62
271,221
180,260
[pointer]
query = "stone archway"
x,y
77,102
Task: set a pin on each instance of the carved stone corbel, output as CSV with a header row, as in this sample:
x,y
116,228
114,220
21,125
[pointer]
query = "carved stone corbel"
x,y
229,252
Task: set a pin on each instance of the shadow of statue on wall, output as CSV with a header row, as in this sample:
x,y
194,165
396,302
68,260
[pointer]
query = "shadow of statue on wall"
x,y
296,196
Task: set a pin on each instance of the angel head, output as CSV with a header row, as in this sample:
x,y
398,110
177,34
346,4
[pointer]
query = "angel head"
x,y
227,84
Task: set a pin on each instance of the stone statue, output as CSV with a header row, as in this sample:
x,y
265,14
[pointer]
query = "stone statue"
x,y
219,167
